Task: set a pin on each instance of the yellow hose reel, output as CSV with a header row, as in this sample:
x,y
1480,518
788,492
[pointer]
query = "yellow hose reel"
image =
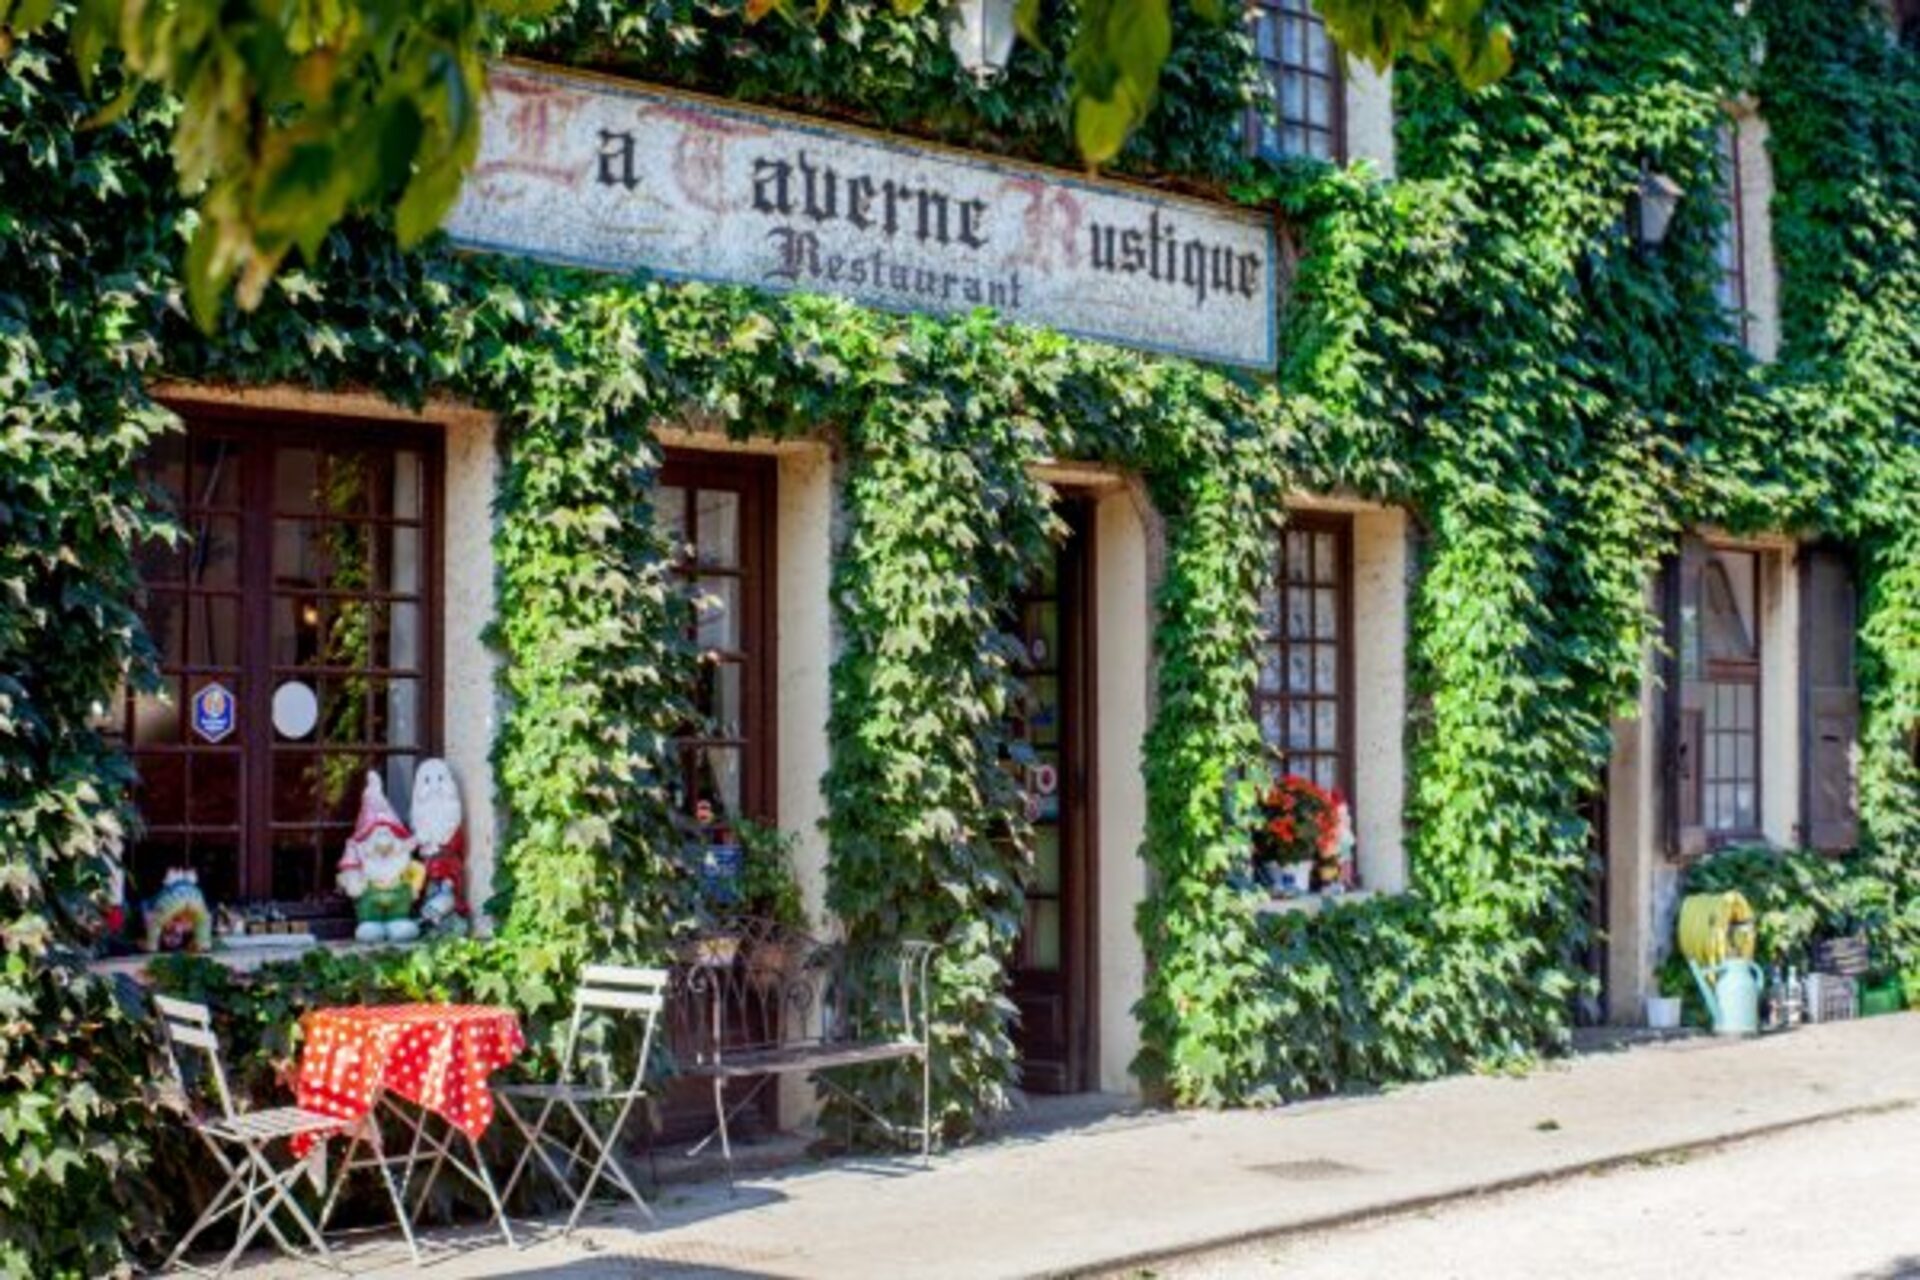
x,y
1716,927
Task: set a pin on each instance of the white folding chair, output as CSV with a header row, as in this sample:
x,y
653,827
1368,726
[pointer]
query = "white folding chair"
x,y
239,1142
610,990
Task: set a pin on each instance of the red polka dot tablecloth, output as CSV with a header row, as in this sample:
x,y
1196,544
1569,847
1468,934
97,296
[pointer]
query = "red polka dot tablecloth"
x,y
436,1055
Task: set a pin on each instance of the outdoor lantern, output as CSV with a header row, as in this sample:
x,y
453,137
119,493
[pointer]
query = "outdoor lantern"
x,y
1658,196
981,33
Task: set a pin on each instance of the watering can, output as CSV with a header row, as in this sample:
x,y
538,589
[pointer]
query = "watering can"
x,y
1716,936
1732,994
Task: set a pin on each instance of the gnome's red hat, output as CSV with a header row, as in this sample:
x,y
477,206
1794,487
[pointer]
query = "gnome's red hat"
x,y
376,813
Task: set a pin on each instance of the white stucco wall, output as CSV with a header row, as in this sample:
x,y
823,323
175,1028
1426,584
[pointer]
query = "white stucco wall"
x,y
804,539
469,684
1780,695
1756,235
1369,105
1382,582
1123,638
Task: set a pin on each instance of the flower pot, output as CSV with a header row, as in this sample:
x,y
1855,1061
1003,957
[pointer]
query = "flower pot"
x,y
716,952
1663,1013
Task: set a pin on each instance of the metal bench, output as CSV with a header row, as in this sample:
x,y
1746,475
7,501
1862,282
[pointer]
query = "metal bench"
x,y
754,1000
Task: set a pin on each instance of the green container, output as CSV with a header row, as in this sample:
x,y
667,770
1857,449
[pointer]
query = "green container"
x,y
1882,996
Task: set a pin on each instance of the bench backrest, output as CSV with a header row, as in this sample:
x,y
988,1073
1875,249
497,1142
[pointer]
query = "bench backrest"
x,y
748,984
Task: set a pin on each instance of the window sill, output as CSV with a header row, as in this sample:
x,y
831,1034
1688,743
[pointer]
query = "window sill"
x,y
270,949
1311,904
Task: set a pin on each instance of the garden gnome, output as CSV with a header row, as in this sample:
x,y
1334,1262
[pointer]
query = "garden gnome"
x,y
440,827
378,871
177,917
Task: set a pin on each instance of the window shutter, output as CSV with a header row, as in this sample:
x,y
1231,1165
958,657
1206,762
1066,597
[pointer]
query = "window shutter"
x,y
1830,699
1684,702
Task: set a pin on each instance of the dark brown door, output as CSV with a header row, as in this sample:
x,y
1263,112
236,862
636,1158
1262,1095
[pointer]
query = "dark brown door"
x,y
1051,970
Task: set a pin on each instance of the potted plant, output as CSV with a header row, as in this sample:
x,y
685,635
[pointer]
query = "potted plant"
x,y
770,891
1303,842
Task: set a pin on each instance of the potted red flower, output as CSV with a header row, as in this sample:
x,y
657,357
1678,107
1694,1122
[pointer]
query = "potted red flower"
x,y
1300,843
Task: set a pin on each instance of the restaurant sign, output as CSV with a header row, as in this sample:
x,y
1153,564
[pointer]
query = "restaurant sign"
x,y
597,173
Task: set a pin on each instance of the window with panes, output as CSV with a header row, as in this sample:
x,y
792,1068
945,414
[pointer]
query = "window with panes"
x,y
1304,113
717,513
1730,588
1729,249
1303,697
296,627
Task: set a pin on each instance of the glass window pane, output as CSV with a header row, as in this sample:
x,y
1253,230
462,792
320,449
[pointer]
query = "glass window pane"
x,y
1043,634
1299,614
1043,935
1292,39
394,708
213,789
215,478
213,557
1270,717
1326,614
397,559
1326,730
1319,49
718,528
717,780
717,610
1269,669
1299,669
1326,669
296,481
161,791
1046,860
1299,565
1299,726
719,699
157,716
213,631
1293,105
165,616
670,518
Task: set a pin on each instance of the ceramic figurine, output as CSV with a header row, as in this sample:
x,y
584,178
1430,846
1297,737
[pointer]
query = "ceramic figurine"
x,y
177,918
378,871
439,824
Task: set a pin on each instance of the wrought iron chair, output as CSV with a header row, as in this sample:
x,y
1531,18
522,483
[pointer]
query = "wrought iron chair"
x,y
607,990
239,1141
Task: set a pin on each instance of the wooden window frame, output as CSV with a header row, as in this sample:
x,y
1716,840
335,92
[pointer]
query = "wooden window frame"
x,y
1749,674
1733,194
262,433
756,478
1341,526
1273,69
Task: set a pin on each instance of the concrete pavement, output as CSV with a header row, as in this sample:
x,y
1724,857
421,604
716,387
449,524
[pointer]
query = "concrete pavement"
x,y
1142,1185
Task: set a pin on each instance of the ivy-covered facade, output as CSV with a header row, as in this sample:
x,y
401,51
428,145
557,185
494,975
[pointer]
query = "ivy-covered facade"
x,y
1432,554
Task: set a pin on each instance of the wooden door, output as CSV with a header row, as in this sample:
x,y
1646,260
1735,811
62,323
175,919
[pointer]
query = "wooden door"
x,y
1051,970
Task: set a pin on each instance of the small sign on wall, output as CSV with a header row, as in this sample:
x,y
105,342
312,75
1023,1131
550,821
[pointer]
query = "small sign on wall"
x,y
212,712
581,170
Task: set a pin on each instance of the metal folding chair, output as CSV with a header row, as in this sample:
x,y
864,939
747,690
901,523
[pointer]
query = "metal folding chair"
x,y
605,990
239,1142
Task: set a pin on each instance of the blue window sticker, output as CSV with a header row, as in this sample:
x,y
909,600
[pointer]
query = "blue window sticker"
x,y
212,712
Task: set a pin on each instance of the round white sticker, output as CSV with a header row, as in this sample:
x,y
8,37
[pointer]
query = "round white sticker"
x,y
295,710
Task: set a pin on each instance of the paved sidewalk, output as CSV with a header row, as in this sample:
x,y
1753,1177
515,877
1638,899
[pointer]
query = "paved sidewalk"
x,y
1135,1186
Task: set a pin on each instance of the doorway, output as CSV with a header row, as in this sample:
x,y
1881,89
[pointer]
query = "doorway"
x,y
1052,973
